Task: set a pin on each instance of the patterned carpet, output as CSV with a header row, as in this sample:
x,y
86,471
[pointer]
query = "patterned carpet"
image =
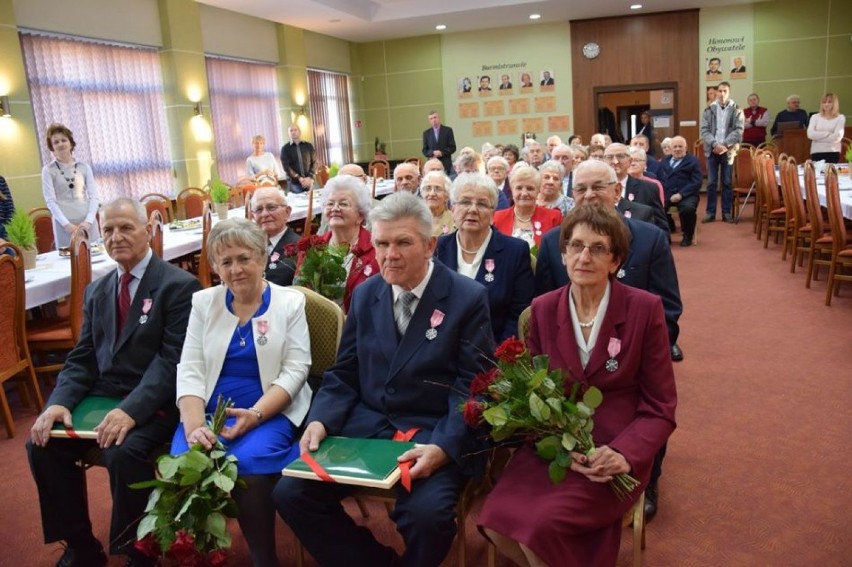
x,y
757,471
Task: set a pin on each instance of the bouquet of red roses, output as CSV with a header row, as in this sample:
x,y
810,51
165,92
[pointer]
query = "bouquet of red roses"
x,y
521,398
185,521
321,266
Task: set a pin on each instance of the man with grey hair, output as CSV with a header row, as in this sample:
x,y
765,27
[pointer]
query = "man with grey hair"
x,y
535,154
792,113
413,341
551,142
134,323
406,177
565,155
271,212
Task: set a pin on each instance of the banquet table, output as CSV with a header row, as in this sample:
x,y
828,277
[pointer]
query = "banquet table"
x,y
51,278
844,183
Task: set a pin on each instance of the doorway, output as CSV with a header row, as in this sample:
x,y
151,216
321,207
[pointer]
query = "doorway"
x,y
619,110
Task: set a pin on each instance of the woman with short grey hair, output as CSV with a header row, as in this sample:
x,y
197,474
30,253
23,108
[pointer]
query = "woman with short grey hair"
x,y
435,190
551,194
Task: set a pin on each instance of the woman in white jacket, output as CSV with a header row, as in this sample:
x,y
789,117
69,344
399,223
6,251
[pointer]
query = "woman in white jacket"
x,y
248,341
826,130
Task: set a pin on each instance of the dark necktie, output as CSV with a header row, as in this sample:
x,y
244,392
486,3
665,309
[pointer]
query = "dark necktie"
x,y
124,299
675,163
403,317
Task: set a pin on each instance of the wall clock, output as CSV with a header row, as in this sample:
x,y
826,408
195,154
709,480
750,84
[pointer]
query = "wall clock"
x,y
591,50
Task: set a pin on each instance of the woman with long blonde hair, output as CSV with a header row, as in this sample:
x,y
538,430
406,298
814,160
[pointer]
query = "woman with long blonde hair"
x,y
825,130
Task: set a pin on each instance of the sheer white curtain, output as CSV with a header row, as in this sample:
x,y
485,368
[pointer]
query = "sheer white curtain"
x,y
111,97
244,103
329,98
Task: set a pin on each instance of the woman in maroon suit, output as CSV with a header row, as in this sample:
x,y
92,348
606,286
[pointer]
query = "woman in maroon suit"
x,y
620,344
526,220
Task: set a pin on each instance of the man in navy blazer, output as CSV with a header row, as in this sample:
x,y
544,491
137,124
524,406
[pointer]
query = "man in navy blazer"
x,y
413,341
439,142
136,361
274,212
632,189
681,178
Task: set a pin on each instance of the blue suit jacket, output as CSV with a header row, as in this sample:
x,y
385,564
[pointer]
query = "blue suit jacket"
x,y
511,291
685,179
649,266
647,193
381,384
141,363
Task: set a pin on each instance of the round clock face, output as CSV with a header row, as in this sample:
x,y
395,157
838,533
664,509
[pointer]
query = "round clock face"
x,y
591,50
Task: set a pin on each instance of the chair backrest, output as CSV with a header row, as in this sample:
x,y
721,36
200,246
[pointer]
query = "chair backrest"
x,y
812,200
325,326
835,212
43,221
793,197
415,160
378,168
698,150
845,144
12,312
743,170
322,175
155,219
158,202
524,323
771,191
81,276
204,275
190,203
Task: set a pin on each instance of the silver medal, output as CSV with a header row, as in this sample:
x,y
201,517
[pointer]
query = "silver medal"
x,y
143,319
431,334
612,365
273,265
621,273
489,277
262,340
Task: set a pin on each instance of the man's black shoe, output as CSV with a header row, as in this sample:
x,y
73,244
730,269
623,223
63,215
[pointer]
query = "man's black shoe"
x,y
728,218
73,557
677,354
650,503
708,218
686,242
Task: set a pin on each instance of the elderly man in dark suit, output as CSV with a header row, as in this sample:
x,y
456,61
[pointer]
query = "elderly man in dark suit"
x,y
439,142
412,343
134,323
681,178
649,266
632,189
271,212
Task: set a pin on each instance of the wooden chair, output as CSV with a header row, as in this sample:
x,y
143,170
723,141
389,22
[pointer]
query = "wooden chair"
x,y
190,203
156,221
524,323
845,144
673,211
415,160
841,250
15,356
325,327
773,210
43,221
204,274
698,151
62,335
321,176
379,168
819,245
158,202
771,148
743,185
799,231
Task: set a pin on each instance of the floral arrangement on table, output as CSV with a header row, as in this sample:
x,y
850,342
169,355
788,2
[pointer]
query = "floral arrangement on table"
x,y
185,520
520,398
322,267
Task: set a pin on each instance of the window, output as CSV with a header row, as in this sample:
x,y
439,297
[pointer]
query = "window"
x,y
111,97
329,98
244,103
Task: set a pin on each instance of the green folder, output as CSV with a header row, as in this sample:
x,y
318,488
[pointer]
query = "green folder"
x,y
364,462
85,417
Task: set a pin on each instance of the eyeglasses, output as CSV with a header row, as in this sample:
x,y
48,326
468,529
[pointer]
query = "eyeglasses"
x,y
432,189
271,208
596,188
468,204
615,157
576,247
342,205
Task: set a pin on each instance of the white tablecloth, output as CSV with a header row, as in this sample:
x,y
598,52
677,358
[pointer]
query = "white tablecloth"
x,y
844,183
51,278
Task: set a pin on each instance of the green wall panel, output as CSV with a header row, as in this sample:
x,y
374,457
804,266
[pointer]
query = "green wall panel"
x,y
374,92
407,149
839,56
787,19
782,60
413,54
372,58
409,122
840,22
423,87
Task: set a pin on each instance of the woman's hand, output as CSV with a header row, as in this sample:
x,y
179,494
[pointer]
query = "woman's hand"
x,y
201,435
601,466
70,228
86,225
246,421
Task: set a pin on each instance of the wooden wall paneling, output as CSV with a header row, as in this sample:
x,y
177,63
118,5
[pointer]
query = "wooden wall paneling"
x,y
637,50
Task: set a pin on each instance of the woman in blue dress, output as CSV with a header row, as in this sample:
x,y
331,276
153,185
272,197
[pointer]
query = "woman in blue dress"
x,y
248,341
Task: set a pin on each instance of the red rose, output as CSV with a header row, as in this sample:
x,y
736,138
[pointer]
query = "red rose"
x,y
482,381
217,558
511,350
148,546
290,250
473,412
183,549
304,243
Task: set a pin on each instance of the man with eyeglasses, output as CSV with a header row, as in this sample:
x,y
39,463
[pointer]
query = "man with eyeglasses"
x,y
649,266
271,213
634,190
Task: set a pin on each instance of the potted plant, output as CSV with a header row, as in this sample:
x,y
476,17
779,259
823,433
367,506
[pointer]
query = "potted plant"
x,y
849,160
219,194
20,231
379,148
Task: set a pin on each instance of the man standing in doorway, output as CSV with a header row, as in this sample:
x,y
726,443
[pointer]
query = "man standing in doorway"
x,y
299,160
439,142
722,132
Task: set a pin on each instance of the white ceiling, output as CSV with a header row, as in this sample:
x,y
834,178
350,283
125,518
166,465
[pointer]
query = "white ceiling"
x,y
369,20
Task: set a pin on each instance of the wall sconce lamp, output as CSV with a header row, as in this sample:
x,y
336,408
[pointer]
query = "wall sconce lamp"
x,y
197,108
302,112
5,108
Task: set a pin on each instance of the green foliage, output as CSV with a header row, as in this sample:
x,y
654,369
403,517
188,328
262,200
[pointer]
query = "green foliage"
x,y
192,495
849,154
333,170
20,230
323,268
219,191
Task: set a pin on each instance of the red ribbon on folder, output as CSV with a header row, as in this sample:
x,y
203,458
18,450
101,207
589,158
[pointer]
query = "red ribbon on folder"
x,y
315,466
405,466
